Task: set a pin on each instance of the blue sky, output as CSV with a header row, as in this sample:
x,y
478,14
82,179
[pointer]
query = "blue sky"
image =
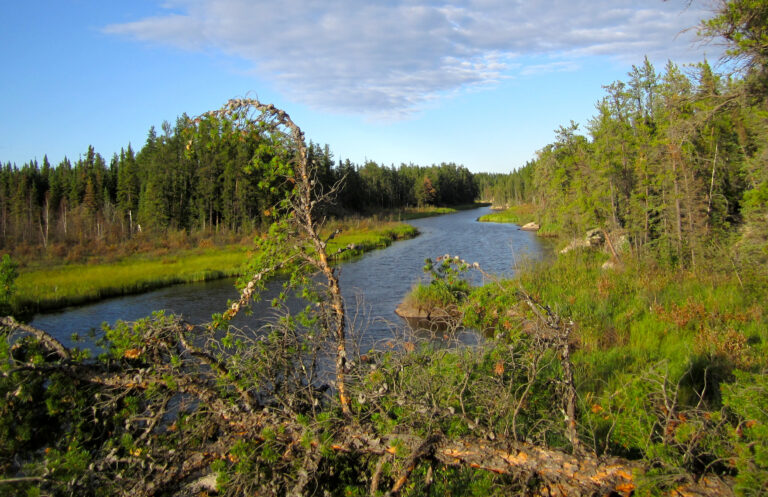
x,y
482,83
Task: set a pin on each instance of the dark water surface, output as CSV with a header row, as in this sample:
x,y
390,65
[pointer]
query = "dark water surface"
x,y
373,284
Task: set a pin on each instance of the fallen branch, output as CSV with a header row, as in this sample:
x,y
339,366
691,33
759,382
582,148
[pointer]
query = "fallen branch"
x,y
46,339
559,473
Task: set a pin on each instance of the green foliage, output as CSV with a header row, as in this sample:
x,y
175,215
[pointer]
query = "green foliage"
x,y
742,23
669,364
747,398
446,289
669,358
8,274
672,161
207,175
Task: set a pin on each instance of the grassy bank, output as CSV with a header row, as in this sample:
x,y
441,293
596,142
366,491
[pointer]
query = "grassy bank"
x,y
47,288
517,214
49,282
642,314
669,364
425,211
366,237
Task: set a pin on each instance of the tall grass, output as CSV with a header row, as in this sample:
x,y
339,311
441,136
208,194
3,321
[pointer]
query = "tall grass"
x,y
637,316
47,288
643,314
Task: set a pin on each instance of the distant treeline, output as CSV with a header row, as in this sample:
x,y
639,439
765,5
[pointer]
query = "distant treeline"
x,y
200,181
505,189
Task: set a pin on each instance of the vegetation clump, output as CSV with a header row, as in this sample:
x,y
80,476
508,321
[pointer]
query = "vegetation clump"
x,y
436,304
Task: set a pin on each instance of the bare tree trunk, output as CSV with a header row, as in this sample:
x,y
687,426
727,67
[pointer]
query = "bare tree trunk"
x,y
44,217
711,189
678,211
690,211
303,203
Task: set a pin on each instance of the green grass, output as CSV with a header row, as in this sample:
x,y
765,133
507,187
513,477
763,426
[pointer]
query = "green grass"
x,y
44,289
365,239
425,211
649,337
642,315
436,295
517,214
49,288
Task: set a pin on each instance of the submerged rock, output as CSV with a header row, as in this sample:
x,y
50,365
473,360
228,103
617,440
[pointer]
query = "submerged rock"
x,y
434,319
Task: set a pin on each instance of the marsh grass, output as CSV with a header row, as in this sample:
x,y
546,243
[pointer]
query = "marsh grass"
x,y
367,236
72,284
659,353
435,295
42,288
645,314
424,211
641,315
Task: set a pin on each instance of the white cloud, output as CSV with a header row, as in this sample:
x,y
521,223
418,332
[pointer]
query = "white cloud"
x,y
390,57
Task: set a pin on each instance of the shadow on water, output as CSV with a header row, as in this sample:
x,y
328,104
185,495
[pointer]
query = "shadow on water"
x,y
373,284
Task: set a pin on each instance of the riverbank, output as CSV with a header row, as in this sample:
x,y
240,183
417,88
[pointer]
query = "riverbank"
x,y
52,287
517,214
427,211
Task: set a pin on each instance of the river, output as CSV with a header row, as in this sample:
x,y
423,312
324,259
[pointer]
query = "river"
x,y
373,284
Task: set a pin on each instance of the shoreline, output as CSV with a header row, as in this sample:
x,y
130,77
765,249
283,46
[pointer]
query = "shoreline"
x,y
45,290
52,289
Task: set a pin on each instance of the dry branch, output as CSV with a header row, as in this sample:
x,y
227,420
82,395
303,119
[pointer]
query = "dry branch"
x,y
559,473
46,339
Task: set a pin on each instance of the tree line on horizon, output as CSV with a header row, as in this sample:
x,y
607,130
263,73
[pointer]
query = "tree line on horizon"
x,y
206,184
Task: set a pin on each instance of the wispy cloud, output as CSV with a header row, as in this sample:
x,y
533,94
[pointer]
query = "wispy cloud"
x,y
388,57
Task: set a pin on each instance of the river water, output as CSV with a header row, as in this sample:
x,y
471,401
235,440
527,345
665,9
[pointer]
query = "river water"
x,y
373,285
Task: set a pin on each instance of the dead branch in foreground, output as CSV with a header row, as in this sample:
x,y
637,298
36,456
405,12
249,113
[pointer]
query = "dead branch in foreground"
x,y
159,469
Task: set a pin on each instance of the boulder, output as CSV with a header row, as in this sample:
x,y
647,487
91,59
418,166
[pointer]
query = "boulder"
x,y
595,238
530,227
575,244
434,319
